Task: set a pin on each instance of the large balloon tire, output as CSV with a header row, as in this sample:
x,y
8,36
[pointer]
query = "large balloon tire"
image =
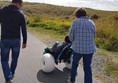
x,y
69,65
48,63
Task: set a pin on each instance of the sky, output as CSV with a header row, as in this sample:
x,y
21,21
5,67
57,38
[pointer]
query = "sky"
x,y
66,0
106,5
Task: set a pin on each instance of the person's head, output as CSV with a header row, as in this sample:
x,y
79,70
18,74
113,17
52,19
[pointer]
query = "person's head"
x,y
80,12
67,40
18,3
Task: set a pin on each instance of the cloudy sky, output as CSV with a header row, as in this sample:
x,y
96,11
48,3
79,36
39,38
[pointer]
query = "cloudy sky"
x,y
108,5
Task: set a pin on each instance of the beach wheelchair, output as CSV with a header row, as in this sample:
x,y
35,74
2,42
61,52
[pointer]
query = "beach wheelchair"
x,y
50,58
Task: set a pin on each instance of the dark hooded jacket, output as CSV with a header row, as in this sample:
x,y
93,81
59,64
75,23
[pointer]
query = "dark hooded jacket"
x,y
12,22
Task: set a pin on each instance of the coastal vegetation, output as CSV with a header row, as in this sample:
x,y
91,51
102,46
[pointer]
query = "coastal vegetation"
x,y
55,21
58,19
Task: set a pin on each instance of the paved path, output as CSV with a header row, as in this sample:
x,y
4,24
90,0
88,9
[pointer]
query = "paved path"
x,y
30,63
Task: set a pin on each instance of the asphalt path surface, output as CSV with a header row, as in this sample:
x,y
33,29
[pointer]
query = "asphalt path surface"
x,y
30,64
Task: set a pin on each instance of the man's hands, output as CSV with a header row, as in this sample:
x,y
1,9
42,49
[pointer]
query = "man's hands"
x,y
24,46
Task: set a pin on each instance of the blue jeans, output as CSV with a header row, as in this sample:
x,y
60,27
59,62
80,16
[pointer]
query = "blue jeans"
x,y
87,59
6,46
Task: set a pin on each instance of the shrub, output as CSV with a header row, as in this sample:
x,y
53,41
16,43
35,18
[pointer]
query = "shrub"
x,y
113,40
33,24
116,18
37,19
110,44
95,16
100,42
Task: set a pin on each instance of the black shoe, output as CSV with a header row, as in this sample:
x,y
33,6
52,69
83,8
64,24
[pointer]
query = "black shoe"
x,y
13,76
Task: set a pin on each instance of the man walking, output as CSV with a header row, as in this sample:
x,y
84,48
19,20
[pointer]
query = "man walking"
x,y
12,22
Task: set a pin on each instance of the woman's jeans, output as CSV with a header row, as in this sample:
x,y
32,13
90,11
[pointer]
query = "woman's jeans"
x,y
6,46
87,59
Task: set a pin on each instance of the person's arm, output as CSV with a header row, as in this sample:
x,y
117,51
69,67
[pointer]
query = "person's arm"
x,y
24,31
72,31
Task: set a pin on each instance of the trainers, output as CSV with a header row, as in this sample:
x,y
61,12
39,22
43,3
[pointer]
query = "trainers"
x,y
68,81
10,81
13,77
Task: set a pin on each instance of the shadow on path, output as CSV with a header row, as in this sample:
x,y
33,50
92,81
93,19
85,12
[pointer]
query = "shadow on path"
x,y
57,76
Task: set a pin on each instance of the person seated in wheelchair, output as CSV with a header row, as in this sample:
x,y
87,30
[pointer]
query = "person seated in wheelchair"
x,y
61,51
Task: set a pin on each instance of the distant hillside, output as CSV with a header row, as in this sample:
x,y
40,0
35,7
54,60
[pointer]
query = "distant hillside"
x,y
106,22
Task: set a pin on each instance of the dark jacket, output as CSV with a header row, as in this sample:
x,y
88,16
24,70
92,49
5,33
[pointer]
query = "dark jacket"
x,y
12,23
62,51
57,47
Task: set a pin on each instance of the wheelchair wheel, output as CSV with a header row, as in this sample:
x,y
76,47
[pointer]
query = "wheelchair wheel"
x,y
69,65
48,63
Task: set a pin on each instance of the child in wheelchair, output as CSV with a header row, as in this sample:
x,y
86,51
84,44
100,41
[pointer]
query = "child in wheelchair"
x,y
60,52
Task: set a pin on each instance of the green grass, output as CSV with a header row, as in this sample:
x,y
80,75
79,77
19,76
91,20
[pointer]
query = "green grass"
x,y
112,69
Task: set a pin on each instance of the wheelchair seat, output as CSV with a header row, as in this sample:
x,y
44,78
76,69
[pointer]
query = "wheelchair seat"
x,y
64,55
